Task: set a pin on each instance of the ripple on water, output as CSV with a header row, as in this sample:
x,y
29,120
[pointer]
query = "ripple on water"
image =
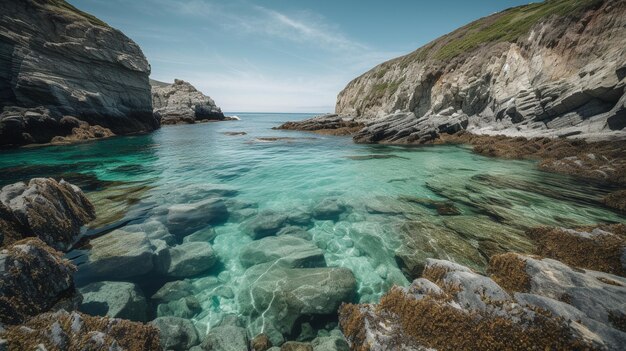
x,y
377,211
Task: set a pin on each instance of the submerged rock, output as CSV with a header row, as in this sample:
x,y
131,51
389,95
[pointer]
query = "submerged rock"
x,y
34,278
185,307
76,331
172,291
226,338
275,297
188,259
296,346
177,334
269,222
184,219
118,255
180,102
260,342
50,210
329,209
114,299
286,250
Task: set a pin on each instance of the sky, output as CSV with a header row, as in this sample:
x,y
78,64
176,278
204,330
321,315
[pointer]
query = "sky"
x,y
280,55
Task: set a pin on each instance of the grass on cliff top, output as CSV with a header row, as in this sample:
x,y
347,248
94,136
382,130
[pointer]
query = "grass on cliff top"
x,y
506,26
64,6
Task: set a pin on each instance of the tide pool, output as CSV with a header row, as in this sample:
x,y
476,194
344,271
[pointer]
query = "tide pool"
x,y
378,211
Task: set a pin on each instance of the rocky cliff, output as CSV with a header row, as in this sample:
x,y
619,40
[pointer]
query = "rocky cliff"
x,y
555,68
181,102
55,61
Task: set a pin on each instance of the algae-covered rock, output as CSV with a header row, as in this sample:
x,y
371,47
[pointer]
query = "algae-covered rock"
x,y
34,278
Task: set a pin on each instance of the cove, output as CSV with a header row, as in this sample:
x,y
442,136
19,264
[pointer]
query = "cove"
x,y
274,210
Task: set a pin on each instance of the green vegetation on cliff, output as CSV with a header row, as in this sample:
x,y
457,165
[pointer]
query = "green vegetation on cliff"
x,y
63,6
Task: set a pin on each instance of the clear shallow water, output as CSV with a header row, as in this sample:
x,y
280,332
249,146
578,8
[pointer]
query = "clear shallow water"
x,y
402,204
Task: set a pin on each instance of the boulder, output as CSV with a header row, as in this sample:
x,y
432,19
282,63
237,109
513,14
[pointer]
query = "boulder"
x,y
114,299
173,291
268,222
34,278
260,342
296,346
76,331
176,333
50,210
185,307
226,338
118,255
275,297
329,209
289,250
184,219
203,235
333,342
188,259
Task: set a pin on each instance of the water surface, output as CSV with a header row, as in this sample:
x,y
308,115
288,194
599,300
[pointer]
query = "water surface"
x,y
401,204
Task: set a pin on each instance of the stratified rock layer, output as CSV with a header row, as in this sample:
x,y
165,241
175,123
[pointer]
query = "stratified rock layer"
x,y
181,103
60,61
555,68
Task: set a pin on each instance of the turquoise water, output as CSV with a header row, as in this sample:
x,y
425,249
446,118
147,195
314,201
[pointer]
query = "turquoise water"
x,y
400,204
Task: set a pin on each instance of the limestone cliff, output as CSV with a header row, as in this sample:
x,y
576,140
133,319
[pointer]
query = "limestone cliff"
x,y
555,68
181,102
58,61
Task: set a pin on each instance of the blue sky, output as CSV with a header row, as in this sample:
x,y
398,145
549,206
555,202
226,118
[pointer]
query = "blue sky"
x,y
280,55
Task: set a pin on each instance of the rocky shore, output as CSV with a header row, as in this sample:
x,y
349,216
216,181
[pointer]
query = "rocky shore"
x,y
38,296
526,302
48,51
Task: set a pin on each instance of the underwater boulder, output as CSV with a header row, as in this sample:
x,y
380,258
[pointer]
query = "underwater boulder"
x,y
114,299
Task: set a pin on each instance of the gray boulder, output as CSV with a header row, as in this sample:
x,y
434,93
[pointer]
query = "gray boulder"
x,y
226,338
177,334
184,219
118,255
288,250
114,299
328,209
268,222
173,291
275,297
185,307
188,259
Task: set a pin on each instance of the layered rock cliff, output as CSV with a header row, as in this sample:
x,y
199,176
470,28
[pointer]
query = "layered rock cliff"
x,y
55,61
555,68
181,102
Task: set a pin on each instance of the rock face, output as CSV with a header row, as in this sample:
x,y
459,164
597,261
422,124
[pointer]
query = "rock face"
x,y
50,210
34,279
526,71
182,103
452,307
56,60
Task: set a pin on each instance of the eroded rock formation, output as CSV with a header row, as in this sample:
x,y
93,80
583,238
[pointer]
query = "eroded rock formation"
x,y
56,61
182,103
555,68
